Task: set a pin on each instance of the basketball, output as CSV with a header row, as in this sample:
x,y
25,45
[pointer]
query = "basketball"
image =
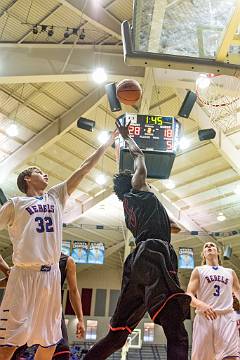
x,y
128,91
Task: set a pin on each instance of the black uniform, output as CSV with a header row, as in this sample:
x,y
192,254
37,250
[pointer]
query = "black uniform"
x,y
150,281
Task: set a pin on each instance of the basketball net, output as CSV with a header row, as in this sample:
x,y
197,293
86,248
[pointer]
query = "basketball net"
x,y
220,96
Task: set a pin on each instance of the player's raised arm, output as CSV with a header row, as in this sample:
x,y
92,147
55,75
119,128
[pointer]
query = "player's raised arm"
x,y
140,170
74,180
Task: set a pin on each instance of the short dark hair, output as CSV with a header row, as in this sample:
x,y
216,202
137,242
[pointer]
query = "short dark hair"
x,y
21,182
122,183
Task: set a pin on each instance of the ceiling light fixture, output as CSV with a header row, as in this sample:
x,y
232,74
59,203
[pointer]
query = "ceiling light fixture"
x,y
99,75
221,217
101,179
203,81
184,143
12,130
169,184
103,137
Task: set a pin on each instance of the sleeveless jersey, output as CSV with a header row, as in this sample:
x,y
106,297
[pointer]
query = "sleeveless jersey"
x,y
36,230
145,216
215,287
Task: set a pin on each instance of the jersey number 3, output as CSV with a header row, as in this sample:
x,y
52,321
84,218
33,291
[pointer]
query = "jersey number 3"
x,y
44,224
217,290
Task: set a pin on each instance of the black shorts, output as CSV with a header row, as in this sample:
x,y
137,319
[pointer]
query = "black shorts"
x,y
150,284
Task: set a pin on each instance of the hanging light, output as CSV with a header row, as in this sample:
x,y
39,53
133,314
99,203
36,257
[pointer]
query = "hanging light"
x,y
221,217
184,143
50,31
99,75
103,137
35,29
12,130
203,81
101,179
169,184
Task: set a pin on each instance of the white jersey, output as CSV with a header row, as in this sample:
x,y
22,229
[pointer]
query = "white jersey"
x,y
35,226
215,288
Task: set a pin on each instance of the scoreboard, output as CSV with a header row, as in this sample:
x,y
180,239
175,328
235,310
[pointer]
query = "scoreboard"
x,y
157,136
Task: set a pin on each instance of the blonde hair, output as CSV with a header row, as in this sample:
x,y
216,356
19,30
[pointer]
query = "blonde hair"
x,y
219,256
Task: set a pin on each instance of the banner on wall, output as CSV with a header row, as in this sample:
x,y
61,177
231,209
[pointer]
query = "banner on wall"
x,y
185,258
80,252
96,253
66,247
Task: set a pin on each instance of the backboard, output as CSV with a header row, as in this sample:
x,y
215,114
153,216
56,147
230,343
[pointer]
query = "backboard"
x,y
194,35
135,339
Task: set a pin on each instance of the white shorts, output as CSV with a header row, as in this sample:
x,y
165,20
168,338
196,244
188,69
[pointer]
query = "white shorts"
x,y
31,309
215,339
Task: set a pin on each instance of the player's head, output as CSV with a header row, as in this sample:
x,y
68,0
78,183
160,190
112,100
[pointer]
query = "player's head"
x,y
209,252
32,176
122,183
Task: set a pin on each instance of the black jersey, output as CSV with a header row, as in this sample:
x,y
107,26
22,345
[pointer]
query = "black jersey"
x,y
145,216
63,268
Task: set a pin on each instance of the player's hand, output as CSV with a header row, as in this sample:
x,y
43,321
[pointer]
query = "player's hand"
x,y
80,330
123,129
111,138
207,311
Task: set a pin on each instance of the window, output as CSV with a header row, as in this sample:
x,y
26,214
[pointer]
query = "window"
x,y
91,332
148,335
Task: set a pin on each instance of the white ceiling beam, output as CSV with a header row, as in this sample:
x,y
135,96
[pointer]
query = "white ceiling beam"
x,y
229,33
147,87
76,209
93,12
51,133
26,64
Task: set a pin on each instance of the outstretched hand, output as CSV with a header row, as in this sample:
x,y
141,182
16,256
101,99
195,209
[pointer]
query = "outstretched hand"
x,y
123,129
111,138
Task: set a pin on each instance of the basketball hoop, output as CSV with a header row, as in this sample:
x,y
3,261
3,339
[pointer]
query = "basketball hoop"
x,y
220,96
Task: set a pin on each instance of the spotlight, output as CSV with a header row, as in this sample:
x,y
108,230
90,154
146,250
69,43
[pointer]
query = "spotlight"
x,y
101,179
50,31
82,35
35,29
12,130
221,217
203,81
67,33
184,143
169,184
103,137
99,75
43,28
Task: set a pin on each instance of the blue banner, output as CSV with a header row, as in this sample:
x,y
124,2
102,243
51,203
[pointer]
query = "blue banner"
x,y
96,253
185,258
80,252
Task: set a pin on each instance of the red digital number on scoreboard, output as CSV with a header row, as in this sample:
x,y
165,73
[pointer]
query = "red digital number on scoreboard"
x,y
134,130
168,133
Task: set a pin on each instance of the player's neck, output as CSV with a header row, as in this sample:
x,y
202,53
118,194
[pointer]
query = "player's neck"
x,y
212,262
34,192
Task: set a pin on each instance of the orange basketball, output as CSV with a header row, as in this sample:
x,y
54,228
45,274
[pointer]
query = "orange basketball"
x,y
128,91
